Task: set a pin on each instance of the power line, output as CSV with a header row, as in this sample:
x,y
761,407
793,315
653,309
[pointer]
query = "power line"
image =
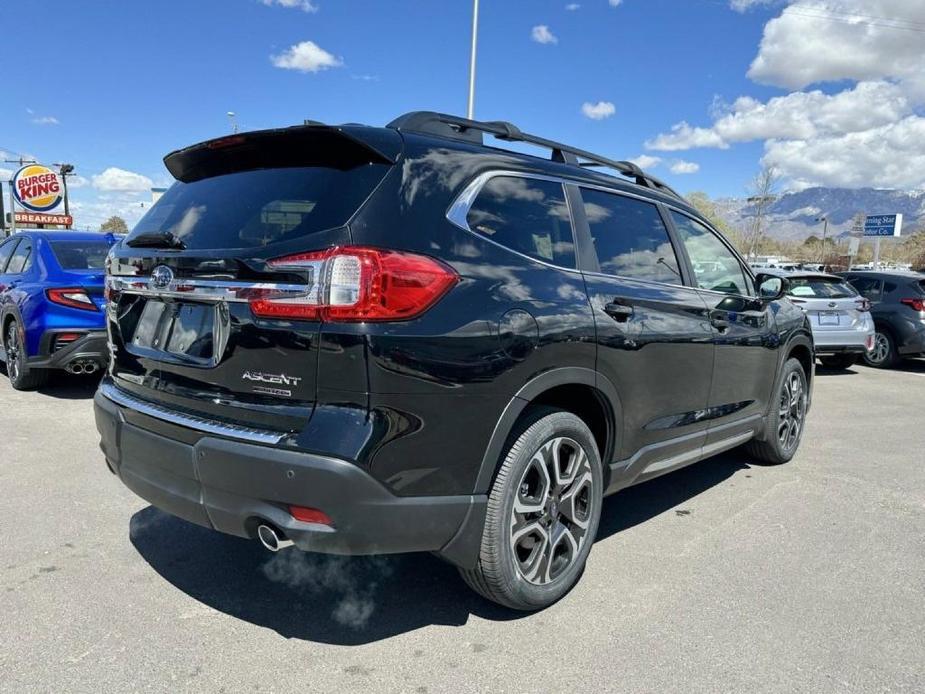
x,y
855,19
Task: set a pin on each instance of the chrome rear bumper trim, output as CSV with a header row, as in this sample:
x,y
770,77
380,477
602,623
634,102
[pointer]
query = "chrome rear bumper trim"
x,y
207,426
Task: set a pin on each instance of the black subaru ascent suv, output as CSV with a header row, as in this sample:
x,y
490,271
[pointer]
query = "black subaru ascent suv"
x,y
363,340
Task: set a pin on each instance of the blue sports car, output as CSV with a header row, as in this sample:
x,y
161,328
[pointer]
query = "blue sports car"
x,y
51,304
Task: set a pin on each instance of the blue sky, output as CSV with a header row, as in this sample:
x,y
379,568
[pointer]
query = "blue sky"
x,y
132,81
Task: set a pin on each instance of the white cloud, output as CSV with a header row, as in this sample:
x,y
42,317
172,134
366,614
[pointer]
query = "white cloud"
x,y
306,56
646,161
684,136
6,174
814,41
745,5
304,5
77,181
615,3
684,167
598,111
116,179
572,6
888,156
45,120
542,34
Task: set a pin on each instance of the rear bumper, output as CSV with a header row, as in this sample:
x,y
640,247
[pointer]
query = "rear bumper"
x,y
232,486
843,341
914,343
91,347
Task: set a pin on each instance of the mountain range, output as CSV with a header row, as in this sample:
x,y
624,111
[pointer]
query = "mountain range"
x,y
793,216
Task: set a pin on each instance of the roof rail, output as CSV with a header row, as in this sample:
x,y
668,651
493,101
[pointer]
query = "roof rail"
x,y
458,128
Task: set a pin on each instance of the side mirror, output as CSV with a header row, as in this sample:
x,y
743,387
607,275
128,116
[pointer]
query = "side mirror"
x,y
770,287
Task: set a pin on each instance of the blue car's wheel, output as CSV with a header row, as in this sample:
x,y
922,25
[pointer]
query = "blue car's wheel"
x,y
20,375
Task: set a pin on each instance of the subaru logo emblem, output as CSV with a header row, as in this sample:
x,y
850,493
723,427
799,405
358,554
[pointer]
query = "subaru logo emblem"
x,y
161,277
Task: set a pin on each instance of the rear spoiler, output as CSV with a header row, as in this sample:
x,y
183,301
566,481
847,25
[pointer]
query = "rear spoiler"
x,y
338,147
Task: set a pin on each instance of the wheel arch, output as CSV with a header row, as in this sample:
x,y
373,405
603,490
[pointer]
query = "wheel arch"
x,y
584,392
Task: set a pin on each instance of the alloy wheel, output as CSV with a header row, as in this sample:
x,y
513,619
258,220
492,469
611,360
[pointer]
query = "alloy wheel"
x,y
552,511
792,410
881,349
12,352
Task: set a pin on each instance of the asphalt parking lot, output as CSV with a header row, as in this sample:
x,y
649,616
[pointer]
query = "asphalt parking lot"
x,y
726,576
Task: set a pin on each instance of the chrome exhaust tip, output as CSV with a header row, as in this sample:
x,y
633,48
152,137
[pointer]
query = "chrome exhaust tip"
x,y
75,368
91,367
272,539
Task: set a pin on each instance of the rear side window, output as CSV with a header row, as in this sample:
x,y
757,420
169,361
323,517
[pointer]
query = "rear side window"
x,y
527,215
821,288
868,287
630,238
715,267
80,255
249,209
21,260
6,250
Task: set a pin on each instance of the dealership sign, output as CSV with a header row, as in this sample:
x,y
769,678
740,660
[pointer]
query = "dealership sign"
x,y
883,225
37,188
41,218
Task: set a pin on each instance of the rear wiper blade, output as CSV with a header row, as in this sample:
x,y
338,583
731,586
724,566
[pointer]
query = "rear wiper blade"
x,y
156,239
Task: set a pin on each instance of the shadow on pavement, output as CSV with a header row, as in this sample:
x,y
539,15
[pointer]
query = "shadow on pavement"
x,y
65,386
358,600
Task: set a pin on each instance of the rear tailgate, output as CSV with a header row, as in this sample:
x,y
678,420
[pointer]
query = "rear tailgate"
x,y
829,302
183,328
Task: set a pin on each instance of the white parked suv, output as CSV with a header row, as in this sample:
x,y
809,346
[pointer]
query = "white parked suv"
x,y
843,329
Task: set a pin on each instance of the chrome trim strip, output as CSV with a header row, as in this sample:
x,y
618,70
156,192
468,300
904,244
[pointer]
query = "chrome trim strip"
x,y
207,426
204,290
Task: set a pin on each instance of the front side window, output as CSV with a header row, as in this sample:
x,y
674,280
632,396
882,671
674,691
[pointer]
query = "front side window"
x,y
630,238
21,259
715,267
527,215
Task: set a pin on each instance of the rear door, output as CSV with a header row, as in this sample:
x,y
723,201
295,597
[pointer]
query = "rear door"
x,y
204,315
654,336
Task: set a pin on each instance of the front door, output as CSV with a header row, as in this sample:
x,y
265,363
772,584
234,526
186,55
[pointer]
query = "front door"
x,y
746,355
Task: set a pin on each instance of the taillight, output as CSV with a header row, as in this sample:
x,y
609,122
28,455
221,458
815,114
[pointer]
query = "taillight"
x,y
74,297
916,304
863,304
353,283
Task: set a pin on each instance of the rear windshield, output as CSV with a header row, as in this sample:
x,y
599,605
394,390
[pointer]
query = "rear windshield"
x,y
255,208
821,287
81,255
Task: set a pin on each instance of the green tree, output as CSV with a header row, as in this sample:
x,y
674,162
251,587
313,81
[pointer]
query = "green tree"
x,y
115,224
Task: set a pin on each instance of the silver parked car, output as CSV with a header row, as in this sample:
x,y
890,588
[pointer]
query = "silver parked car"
x,y
843,328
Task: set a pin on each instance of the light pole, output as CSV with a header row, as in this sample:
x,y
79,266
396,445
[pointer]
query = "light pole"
x,y
66,170
470,110
234,123
825,229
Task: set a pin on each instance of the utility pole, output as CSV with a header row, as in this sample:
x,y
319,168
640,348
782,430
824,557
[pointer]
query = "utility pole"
x,y
234,122
66,170
470,110
825,229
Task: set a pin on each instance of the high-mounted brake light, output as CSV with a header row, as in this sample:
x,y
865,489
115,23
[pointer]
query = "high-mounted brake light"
x,y
916,304
356,283
74,297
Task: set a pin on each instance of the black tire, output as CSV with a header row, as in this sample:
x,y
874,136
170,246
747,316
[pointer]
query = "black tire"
x,y
573,508
839,361
786,411
17,370
884,354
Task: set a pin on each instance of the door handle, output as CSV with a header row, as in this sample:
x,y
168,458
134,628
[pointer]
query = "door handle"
x,y
720,324
619,312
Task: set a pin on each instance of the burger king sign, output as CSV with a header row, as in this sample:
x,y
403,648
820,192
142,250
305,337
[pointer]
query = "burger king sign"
x,y
37,188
